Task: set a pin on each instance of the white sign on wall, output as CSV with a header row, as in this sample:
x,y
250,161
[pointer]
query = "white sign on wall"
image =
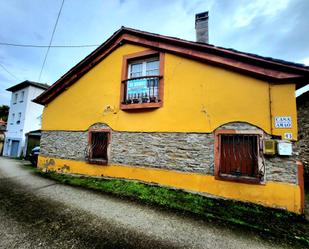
x,y
284,148
283,122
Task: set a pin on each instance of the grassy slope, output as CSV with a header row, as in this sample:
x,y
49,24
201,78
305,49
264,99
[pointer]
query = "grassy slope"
x,y
277,224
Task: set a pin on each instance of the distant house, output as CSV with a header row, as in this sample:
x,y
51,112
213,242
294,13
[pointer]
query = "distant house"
x,y
2,134
181,114
24,115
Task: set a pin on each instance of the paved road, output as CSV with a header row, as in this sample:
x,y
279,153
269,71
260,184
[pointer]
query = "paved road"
x,y
39,213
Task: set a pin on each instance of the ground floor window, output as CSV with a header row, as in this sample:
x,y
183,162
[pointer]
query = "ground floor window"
x,y
98,146
237,157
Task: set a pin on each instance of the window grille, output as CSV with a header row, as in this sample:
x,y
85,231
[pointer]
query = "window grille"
x,y
239,155
97,149
142,90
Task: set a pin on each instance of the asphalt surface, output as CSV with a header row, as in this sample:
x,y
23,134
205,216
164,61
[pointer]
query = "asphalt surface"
x,y
39,213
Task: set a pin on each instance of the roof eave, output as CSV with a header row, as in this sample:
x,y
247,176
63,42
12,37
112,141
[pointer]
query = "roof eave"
x,y
197,51
215,50
25,84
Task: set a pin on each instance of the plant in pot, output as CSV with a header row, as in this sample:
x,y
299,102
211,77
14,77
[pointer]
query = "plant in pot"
x,y
152,99
128,101
136,99
145,98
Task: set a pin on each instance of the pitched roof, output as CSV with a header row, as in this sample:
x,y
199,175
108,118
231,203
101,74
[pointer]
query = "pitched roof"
x,y
273,70
27,83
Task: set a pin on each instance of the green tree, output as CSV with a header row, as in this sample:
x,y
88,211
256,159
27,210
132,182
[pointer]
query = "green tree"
x,y
4,112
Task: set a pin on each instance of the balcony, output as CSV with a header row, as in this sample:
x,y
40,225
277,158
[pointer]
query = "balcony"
x,y
142,92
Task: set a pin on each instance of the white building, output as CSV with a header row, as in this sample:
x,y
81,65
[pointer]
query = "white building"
x,y
24,116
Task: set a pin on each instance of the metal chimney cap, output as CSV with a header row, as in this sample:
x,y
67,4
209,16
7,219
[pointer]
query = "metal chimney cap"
x,y
201,16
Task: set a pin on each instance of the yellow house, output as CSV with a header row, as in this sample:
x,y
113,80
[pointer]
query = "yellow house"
x,y
180,114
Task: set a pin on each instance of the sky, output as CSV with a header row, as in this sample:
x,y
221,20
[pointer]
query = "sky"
x,y
276,28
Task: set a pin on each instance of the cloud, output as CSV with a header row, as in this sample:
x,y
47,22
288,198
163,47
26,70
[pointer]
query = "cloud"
x,y
249,10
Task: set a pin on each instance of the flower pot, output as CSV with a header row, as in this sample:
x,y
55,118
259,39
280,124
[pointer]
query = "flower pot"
x,y
128,101
144,100
135,101
152,99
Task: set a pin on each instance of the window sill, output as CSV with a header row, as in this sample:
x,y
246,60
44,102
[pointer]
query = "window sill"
x,y
141,106
97,161
239,179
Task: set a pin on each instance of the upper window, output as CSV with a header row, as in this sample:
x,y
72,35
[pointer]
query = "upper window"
x,y
147,67
22,95
15,98
142,80
237,157
99,141
12,119
19,118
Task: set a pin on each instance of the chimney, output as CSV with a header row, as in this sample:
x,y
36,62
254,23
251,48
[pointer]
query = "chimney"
x,y
201,27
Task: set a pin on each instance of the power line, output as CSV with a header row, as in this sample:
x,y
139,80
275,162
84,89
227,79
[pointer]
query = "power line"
x,y
46,46
51,40
5,69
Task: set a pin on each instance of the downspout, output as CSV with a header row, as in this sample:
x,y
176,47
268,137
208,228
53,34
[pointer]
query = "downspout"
x,y
270,108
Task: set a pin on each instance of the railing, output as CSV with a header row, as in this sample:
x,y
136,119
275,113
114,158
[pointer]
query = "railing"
x,y
142,90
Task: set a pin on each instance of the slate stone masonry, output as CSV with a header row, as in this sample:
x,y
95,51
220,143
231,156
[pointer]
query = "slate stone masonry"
x,y
189,152
303,131
64,144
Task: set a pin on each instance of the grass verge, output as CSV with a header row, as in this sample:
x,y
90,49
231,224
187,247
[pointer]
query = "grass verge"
x,y
269,222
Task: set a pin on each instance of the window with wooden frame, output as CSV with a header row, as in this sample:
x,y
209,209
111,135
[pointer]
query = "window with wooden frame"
x,y
142,80
237,156
98,146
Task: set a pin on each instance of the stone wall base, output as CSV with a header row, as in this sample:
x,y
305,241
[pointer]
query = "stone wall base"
x,y
187,152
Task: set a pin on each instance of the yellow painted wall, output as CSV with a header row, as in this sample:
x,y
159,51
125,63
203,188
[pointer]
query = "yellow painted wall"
x,y
271,194
284,104
197,98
